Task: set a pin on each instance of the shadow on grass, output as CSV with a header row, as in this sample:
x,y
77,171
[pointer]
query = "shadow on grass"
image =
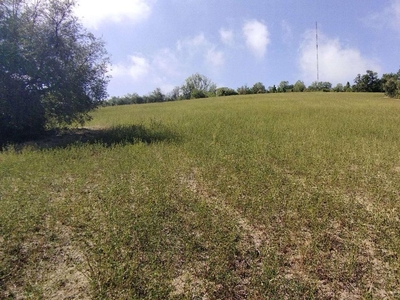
x,y
121,134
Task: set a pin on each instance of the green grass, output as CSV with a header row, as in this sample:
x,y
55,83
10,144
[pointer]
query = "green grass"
x,y
262,196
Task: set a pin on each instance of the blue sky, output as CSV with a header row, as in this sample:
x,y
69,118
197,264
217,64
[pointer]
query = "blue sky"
x,y
159,43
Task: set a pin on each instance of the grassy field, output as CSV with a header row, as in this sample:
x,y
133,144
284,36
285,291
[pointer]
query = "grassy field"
x,y
277,196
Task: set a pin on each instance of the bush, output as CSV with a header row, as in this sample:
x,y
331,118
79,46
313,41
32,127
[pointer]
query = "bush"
x,y
224,91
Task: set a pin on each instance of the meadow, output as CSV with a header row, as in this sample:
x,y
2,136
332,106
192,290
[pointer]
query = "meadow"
x,y
275,196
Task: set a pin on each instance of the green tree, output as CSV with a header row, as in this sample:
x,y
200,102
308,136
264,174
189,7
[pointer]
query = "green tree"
x,y
52,71
284,87
391,84
174,94
198,86
338,88
324,86
244,90
299,86
347,87
272,89
258,88
197,94
156,96
368,82
225,91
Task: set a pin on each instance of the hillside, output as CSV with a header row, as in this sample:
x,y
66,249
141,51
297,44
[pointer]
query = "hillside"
x,y
280,196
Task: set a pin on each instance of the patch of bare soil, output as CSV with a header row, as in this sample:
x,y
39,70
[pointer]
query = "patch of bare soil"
x,y
189,285
66,279
58,273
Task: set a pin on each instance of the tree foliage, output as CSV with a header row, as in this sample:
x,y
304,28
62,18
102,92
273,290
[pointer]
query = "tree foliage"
x,y
391,84
284,87
125,100
272,89
258,88
225,91
347,87
299,86
198,86
324,86
52,71
338,88
368,82
244,90
156,96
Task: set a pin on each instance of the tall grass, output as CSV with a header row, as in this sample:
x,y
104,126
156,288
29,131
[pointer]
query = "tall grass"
x,y
261,196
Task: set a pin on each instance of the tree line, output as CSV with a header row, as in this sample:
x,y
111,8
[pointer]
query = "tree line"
x,y
199,86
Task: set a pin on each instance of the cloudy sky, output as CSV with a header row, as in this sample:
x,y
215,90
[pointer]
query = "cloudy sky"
x,y
159,43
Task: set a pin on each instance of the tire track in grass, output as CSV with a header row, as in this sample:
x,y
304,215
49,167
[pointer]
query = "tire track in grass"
x,y
256,234
253,238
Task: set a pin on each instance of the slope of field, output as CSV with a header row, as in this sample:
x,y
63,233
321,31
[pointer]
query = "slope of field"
x,y
262,196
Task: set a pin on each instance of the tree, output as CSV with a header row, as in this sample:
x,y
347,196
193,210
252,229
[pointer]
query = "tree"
x,y
155,96
391,84
299,86
368,82
347,88
272,89
324,86
258,88
52,71
198,86
225,91
244,90
338,88
283,87
174,94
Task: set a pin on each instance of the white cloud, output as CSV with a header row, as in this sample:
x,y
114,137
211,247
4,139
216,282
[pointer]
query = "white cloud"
x,y
192,44
140,67
388,17
166,62
94,12
137,68
226,36
337,63
199,47
257,37
392,14
143,73
168,67
287,32
215,58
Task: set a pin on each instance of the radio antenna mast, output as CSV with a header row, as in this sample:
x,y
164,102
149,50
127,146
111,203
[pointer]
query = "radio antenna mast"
x,y
316,39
